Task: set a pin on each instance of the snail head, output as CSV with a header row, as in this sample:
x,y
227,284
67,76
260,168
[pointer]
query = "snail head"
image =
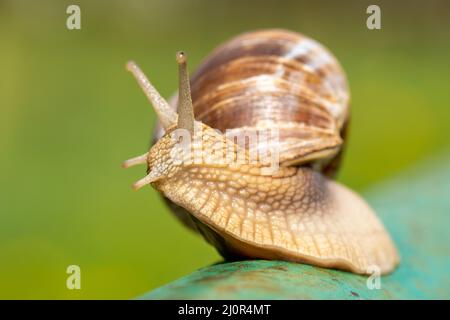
x,y
164,159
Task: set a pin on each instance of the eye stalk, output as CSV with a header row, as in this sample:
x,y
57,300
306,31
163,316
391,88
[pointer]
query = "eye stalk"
x,y
185,107
181,57
166,115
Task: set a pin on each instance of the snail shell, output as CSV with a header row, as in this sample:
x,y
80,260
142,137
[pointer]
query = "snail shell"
x,y
266,79
275,79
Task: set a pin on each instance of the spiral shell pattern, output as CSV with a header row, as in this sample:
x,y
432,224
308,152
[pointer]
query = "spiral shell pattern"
x,y
275,79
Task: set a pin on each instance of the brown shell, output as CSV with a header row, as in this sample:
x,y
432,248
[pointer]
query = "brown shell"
x,y
276,79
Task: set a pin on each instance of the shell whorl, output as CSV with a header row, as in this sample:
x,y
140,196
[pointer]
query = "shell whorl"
x,y
275,79
280,66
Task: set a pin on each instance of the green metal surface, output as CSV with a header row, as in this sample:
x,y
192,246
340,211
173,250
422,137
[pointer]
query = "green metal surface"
x,y
415,208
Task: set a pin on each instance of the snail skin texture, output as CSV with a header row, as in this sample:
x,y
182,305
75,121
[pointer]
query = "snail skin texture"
x,y
268,79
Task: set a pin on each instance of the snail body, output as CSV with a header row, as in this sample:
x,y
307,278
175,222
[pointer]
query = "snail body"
x,y
271,79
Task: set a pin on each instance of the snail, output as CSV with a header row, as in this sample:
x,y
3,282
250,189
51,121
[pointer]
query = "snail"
x,y
274,80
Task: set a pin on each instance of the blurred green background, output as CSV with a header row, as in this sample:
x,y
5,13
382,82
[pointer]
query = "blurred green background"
x,y
70,114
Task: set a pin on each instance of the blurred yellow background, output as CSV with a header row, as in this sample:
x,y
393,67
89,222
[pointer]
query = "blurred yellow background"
x,y
70,114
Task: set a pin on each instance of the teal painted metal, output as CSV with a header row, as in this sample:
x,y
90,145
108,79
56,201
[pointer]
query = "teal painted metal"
x,y
415,209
